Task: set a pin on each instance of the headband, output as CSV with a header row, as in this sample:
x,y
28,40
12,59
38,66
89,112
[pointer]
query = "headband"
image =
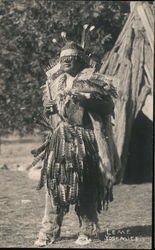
x,y
69,52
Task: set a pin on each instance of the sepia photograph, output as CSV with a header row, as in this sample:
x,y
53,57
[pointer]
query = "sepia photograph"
x,y
76,124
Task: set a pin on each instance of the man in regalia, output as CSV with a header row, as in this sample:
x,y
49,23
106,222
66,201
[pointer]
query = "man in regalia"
x,y
80,159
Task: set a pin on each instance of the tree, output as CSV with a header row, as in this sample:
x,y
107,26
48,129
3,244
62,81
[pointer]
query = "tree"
x,y
27,30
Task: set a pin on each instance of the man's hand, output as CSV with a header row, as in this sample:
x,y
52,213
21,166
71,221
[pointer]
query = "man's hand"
x,y
81,97
51,107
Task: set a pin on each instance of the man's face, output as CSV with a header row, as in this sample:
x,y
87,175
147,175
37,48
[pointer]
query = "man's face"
x,y
69,64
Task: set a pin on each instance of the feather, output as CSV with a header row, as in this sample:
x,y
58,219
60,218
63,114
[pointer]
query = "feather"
x,y
56,170
56,195
69,194
49,165
63,149
74,187
69,155
54,40
40,149
79,136
63,35
62,194
62,174
37,159
42,176
57,144
72,131
92,28
83,38
52,184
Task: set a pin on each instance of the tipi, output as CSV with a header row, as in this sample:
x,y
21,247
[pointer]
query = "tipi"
x,y
131,61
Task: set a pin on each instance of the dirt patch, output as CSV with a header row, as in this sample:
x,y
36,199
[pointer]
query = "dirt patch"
x,y
125,225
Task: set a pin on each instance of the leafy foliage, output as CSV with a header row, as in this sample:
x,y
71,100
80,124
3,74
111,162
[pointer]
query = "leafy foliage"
x,y
27,30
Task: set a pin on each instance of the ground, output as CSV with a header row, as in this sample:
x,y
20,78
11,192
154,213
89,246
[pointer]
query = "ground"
x,y
125,225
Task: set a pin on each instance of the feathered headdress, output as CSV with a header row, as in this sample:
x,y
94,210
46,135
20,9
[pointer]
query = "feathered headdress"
x,y
72,48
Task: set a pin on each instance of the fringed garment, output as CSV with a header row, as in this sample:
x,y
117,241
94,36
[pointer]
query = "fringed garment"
x,y
71,160
77,156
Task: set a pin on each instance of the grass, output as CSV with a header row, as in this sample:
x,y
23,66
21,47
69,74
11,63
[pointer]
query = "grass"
x,y
125,225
